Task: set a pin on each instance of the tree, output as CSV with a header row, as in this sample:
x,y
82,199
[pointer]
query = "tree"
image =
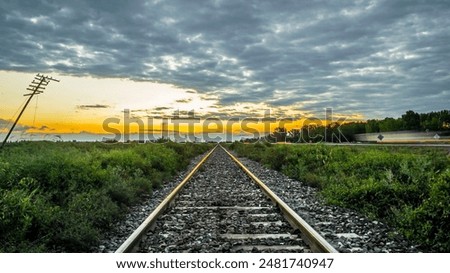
x,y
372,126
294,135
411,120
391,124
280,134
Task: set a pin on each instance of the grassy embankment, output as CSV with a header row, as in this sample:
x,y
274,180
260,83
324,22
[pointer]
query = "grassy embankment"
x,y
409,188
63,196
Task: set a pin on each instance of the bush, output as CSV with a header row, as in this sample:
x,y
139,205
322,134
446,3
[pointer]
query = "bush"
x,y
408,188
429,223
25,217
63,196
86,216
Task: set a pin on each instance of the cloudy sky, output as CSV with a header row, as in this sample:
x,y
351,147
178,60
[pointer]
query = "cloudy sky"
x,y
364,58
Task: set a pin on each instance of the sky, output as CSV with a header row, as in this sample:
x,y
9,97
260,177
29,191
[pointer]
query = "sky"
x,y
364,59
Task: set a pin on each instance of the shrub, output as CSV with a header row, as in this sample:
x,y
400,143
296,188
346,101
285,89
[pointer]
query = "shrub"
x,y
429,223
24,220
408,188
63,196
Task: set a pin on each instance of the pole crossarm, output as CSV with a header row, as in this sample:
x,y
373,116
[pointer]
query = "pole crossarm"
x,y
36,87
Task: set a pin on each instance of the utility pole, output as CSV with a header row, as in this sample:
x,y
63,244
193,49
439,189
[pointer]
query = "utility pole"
x,y
36,87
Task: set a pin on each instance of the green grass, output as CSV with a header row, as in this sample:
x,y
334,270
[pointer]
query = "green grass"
x,y
407,187
64,196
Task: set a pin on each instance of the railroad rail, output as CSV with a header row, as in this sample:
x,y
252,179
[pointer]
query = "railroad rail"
x,y
216,208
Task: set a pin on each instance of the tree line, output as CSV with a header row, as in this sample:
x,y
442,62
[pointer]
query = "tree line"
x,y
345,132
432,121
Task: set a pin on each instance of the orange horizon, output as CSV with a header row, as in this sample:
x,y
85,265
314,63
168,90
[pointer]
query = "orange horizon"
x,y
233,126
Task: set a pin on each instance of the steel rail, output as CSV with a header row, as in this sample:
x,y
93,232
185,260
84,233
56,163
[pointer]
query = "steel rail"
x,y
134,239
309,235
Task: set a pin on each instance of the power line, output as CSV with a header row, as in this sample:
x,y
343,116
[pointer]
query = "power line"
x,y
9,121
36,87
35,110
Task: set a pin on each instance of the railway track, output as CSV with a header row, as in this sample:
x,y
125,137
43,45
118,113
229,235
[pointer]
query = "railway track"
x,y
222,207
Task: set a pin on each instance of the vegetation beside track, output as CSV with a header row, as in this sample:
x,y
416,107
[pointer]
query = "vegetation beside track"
x,y
407,187
63,196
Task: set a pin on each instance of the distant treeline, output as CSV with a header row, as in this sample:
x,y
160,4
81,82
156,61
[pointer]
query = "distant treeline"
x,y
433,121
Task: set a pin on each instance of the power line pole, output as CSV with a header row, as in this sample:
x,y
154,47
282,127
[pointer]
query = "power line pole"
x,y
36,87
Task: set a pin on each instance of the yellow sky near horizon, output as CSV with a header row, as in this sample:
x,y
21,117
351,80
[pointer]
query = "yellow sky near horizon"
x,y
82,104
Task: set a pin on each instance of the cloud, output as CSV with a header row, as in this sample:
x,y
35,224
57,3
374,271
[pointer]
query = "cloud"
x,y
92,106
86,132
339,54
45,128
184,100
162,108
4,122
5,125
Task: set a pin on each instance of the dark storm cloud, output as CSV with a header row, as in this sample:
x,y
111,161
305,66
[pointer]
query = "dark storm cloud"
x,y
376,57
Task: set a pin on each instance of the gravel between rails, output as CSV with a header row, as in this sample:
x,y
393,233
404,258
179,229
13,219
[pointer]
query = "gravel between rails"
x,y
345,229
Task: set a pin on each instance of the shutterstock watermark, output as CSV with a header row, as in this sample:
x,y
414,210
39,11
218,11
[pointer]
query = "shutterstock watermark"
x,y
191,128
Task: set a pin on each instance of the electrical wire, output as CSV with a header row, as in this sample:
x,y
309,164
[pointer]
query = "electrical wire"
x,y
10,121
35,110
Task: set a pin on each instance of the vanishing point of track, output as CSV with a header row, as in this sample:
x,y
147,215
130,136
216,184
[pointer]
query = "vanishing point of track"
x,y
222,207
